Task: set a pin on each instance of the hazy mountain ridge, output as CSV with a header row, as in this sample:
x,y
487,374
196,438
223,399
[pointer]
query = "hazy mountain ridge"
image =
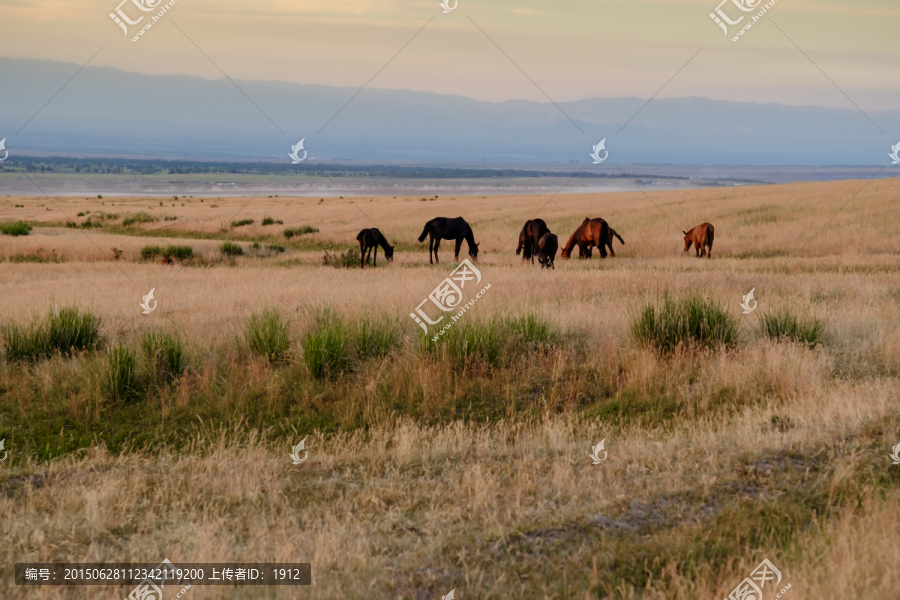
x,y
106,110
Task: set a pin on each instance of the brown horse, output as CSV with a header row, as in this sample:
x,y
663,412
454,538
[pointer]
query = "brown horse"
x,y
701,237
167,261
442,228
591,232
370,239
547,247
586,251
529,237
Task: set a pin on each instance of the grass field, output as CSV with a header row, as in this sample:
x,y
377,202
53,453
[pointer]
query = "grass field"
x,y
461,463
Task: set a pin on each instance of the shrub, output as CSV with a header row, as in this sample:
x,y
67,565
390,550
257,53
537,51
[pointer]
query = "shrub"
x,y
268,221
688,321
783,324
71,224
267,335
325,346
178,252
230,249
165,355
348,259
119,375
242,222
273,248
141,217
15,228
81,214
298,231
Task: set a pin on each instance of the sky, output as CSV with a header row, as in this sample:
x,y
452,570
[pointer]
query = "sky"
x,y
828,52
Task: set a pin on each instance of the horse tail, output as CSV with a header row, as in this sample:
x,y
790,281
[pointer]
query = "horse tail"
x,y
424,232
618,236
711,233
359,236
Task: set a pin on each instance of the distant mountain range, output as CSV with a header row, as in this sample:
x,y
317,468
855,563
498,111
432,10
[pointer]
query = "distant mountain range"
x,y
112,112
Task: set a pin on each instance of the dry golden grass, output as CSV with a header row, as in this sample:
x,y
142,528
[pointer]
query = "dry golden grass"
x,y
514,509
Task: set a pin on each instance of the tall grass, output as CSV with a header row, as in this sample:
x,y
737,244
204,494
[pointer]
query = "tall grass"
x,y
347,260
242,222
119,380
141,217
65,332
267,335
175,252
784,324
325,346
690,321
165,355
15,228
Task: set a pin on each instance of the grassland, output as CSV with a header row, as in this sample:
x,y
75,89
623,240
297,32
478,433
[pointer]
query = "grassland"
x,y
462,463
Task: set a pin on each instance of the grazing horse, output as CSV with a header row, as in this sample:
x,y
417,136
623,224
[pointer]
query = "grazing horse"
x,y
370,239
167,261
442,228
531,234
591,232
547,247
701,237
585,251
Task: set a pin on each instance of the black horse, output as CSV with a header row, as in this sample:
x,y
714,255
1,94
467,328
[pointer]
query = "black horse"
x,y
370,239
529,238
442,228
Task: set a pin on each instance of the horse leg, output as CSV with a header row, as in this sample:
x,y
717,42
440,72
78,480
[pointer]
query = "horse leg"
x,y
375,263
458,248
437,244
709,254
362,254
431,249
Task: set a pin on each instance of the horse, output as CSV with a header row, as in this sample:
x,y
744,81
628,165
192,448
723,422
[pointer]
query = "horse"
x,y
547,247
585,251
530,236
370,239
442,228
167,261
591,232
701,237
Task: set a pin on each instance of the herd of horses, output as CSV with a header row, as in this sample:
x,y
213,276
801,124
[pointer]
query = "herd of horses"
x,y
535,240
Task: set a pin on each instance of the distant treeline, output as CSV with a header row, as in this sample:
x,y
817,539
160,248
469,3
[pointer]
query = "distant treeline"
x,y
114,166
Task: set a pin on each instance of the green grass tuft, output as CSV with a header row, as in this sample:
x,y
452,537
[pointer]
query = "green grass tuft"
x,y
325,347
298,231
690,321
165,355
231,249
347,260
242,222
119,379
267,335
15,228
784,324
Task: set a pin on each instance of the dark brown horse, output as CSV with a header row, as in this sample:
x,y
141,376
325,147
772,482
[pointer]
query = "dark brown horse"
x,y
442,228
370,239
586,250
591,232
529,237
701,237
547,247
